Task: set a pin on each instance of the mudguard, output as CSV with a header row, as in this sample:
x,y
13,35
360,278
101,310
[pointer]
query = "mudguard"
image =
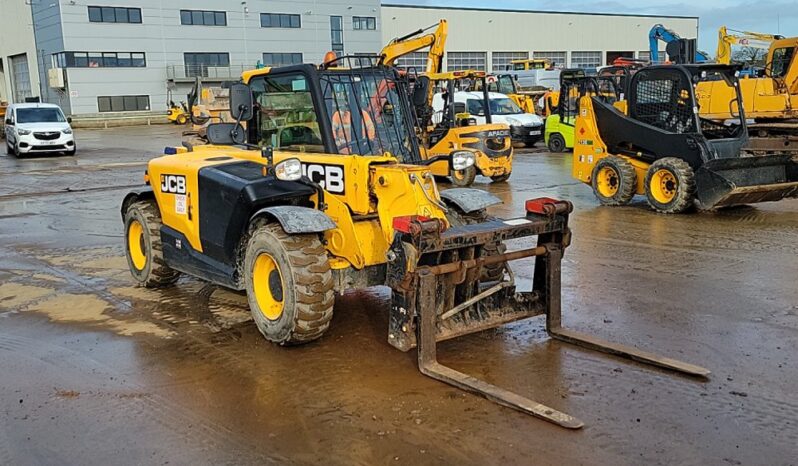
x,y
296,219
144,192
469,200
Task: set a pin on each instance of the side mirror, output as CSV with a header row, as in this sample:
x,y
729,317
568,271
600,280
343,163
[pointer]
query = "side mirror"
x,y
226,134
420,91
9,122
241,102
69,119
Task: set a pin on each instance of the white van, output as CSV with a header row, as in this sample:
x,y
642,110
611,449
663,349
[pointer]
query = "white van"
x,y
38,128
524,127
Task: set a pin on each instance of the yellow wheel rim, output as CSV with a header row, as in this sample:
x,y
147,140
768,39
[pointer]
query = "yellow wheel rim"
x,y
664,186
607,181
267,282
135,243
460,175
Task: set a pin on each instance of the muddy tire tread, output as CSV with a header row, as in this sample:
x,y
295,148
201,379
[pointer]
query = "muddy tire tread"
x,y
161,274
315,296
685,195
628,180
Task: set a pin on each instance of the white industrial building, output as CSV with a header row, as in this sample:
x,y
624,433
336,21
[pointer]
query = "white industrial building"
x,y
122,57
488,39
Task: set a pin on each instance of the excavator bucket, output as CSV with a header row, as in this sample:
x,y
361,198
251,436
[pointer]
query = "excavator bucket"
x,y
452,282
746,180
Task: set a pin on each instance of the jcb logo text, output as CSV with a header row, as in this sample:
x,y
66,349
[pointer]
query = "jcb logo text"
x,y
329,177
175,184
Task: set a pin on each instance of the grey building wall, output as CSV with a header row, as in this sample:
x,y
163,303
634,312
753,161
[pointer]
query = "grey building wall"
x,y
164,40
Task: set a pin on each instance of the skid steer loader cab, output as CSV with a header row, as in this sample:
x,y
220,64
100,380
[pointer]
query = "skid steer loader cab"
x,y
324,191
666,150
559,129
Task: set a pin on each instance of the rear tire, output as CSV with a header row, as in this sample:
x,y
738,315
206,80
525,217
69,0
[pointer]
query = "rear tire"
x,y
143,247
670,185
289,284
556,143
614,181
464,178
457,218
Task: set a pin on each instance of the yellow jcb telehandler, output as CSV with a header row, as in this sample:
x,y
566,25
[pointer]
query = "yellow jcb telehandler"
x,y
346,201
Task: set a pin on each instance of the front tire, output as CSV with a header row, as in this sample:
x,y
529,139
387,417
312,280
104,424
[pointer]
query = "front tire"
x,y
670,185
181,119
501,178
143,247
289,284
556,143
614,181
464,178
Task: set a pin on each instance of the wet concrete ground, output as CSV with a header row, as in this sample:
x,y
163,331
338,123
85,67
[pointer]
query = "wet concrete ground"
x,y
94,370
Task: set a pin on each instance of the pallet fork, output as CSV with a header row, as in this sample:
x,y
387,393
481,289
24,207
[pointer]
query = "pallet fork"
x,y
431,265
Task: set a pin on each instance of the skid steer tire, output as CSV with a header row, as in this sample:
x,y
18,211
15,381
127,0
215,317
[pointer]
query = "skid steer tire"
x,y
670,186
289,284
464,178
457,218
143,247
181,119
614,181
556,143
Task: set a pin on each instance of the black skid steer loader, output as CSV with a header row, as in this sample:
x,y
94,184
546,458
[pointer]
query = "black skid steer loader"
x,y
664,149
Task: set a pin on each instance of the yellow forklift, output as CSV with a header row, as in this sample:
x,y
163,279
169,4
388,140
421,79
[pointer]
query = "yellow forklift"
x,y
491,143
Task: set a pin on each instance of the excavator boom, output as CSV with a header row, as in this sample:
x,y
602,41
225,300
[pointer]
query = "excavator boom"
x,y
413,42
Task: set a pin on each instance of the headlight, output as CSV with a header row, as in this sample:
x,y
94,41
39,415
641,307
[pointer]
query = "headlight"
x,y
23,132
67,131
462,159
288,170
513,122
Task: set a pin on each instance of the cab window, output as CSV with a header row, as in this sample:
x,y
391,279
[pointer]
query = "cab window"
x,y
781,61
285,116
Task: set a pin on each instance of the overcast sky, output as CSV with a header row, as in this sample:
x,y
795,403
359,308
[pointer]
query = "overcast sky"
x,y
768,16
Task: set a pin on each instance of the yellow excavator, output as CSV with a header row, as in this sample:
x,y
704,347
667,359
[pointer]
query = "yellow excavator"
x,y
491,143
731,37
770,100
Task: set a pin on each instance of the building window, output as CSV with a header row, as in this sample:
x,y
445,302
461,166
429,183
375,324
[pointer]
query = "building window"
x,y
556,59
585,59
109,14
197,64
414,60
100,60
337,34
466,61
280,20
203,18
123,103
646,55
364,22
500,61
281,59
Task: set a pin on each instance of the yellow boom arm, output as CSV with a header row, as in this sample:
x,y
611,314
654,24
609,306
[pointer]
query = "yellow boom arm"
x,y
401,46
744,38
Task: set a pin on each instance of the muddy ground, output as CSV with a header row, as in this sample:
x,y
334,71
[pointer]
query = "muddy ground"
x,y
94,370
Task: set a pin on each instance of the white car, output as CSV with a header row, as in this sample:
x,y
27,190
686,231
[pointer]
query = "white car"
x,y
524,127
38,128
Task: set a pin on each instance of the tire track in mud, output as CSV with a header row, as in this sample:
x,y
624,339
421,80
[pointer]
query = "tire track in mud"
x,y
136,403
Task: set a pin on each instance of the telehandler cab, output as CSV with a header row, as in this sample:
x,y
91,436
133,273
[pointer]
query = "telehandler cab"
x,y
665,148
324,190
